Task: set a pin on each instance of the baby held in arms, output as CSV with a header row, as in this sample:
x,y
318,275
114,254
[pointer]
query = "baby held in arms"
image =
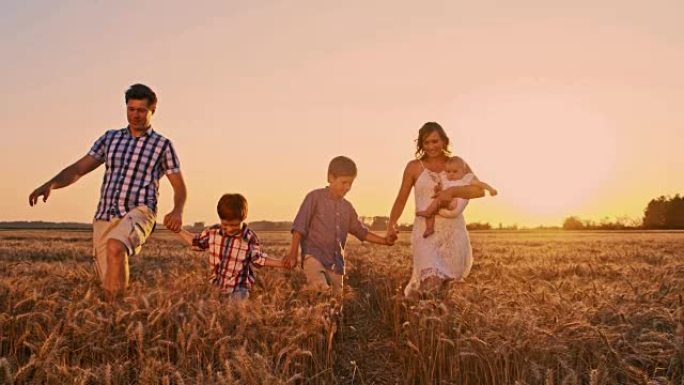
x,y
458,174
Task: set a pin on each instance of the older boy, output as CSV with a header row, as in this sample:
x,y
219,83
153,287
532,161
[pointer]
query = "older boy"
x,y
233,248
321,227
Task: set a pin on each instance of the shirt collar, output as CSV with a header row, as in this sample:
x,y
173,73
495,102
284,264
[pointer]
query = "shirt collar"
x,y
244,232
329,195
147,132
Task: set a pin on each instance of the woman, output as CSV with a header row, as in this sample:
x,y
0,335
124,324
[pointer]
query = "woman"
x,y
446,255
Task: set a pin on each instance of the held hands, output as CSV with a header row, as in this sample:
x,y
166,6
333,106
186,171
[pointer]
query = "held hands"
x,y
174,221
290,261
391,235
389,241
43,191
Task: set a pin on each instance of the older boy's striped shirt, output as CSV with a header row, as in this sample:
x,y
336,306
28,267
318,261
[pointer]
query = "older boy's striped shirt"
x,y
231,257
133,167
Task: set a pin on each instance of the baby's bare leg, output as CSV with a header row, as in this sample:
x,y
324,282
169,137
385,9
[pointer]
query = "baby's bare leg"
x,y
429,226
430,210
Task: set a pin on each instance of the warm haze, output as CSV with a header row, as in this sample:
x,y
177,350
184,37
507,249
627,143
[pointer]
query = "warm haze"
x,y
567,109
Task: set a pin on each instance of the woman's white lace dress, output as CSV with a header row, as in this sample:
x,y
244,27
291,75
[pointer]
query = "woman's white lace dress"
x,y
446,253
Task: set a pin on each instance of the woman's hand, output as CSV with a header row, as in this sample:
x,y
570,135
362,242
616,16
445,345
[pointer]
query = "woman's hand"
x,y
438,187
444,197
392,234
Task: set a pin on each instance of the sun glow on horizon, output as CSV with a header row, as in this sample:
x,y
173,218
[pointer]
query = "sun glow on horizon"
x,y
547,151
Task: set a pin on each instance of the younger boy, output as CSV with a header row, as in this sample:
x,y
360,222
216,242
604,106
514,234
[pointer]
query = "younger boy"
x,y
233,248
321,227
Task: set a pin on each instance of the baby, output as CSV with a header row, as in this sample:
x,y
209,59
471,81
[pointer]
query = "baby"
x,y
457,175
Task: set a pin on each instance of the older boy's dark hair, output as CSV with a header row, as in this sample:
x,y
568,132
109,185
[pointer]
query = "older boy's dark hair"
x,y
142,92
342,166
232,206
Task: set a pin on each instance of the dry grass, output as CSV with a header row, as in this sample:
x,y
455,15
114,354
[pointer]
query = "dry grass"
x,y
539,308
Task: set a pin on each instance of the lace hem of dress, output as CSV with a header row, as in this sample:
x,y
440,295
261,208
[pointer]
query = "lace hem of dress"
x,y
432,272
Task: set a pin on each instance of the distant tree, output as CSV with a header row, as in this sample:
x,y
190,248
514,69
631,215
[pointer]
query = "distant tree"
x,y
270,226
655,214
405,227
478,226
379,223
573,223
674,217
45,225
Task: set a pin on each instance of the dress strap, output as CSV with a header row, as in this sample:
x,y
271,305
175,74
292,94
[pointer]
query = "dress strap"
x,y
421,164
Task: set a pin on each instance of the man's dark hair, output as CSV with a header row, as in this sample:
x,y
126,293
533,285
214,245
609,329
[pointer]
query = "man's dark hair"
x,y
142,92
342,166
232,206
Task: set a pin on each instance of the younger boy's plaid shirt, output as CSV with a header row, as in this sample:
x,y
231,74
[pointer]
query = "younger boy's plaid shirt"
x,y
231,257
133,169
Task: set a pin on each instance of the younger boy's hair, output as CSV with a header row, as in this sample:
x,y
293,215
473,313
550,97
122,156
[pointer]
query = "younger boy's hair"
x,y
232,206
142,92
342,166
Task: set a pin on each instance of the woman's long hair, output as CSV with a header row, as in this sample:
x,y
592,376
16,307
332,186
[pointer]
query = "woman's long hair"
x,y
427,129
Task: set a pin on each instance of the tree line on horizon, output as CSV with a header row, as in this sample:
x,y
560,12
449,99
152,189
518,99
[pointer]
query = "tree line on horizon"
x,y
376,223
661,213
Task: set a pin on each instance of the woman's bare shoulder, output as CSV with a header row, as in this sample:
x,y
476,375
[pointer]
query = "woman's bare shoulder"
x,y
414,167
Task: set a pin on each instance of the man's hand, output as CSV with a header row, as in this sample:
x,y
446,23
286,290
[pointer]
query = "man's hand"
x,y
43,191
174,221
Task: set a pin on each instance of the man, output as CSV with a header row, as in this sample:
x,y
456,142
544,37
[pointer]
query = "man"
x,y
135,158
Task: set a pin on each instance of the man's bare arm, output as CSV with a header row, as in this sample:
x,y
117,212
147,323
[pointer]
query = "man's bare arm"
x,y
65,177
174,220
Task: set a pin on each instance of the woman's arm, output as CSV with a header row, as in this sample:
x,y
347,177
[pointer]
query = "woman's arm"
x,y
407,182
465,192
478,183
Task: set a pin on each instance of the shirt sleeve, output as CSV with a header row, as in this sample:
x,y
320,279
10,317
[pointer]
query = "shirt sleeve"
x,y
99,148
256,255
356,227
170,163
303,219
201,240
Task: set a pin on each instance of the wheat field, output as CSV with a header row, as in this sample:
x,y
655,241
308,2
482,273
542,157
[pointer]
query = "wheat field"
x,y
538,308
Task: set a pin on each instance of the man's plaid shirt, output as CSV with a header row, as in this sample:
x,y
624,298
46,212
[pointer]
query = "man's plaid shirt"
x,y
133,167
231,257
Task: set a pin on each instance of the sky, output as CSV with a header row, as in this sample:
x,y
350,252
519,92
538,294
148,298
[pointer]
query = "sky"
x,y
567,108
